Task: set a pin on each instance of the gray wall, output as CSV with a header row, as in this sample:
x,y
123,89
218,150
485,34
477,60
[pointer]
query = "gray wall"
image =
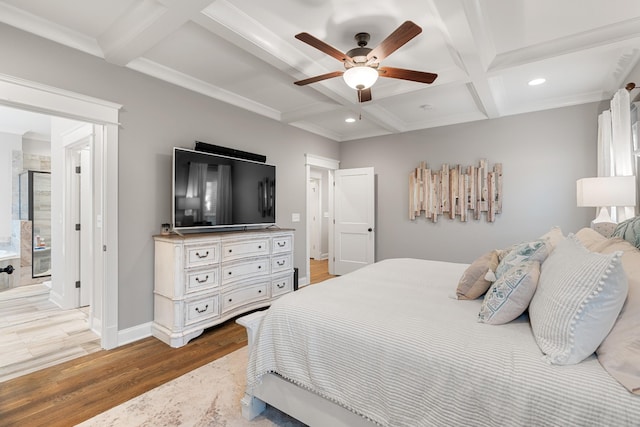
x,y
543,154
157,116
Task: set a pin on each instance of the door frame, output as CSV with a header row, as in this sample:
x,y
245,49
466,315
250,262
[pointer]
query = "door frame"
x,y
36,97
330,165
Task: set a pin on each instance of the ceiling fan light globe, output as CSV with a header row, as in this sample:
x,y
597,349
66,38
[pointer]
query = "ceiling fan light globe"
x,y
360,77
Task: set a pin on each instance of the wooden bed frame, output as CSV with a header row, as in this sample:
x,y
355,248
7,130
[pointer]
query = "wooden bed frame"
x,y
289,398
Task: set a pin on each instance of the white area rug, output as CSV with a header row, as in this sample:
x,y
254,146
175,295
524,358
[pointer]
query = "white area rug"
x,y
207,396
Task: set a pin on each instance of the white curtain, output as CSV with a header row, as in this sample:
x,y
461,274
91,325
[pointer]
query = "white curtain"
x,y
604,143
615,146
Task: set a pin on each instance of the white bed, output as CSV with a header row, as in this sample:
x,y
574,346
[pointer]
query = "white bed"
x,y
389,345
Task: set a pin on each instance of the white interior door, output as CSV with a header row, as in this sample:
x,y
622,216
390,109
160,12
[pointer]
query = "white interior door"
x,y
79,238
86,232
314,218
354,219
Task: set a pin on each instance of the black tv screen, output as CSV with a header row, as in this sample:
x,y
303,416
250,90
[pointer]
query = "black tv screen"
x,y
211,190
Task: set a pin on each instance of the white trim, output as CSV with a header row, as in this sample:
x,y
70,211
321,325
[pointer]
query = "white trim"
x,y
31,96
40,98
321,162
134,333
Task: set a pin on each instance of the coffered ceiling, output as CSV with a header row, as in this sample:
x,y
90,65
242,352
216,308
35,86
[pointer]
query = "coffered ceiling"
x,y
243,52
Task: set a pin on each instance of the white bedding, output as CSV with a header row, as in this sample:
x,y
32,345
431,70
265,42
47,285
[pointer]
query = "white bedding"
x,y
389,343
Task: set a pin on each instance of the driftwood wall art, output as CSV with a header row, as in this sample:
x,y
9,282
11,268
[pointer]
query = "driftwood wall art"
x,y
458,191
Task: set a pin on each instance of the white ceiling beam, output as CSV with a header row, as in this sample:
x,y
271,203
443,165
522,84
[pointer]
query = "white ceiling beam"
x,y
145,25
623,33
471,49
170,75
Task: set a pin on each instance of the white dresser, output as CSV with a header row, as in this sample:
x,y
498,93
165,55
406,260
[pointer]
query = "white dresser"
x,y
203,279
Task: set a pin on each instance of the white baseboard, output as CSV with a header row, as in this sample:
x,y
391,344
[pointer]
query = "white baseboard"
x,y
134,333
302,281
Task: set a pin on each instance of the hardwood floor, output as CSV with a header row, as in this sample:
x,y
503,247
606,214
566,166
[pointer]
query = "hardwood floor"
x,y
319,270
35,333
77,390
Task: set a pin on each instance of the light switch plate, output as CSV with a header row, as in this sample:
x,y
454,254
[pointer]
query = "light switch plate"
x,y
295,217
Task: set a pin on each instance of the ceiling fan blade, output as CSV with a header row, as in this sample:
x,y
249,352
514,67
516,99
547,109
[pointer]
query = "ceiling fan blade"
x,y
319,78
399,37
364,95
401,73
323,47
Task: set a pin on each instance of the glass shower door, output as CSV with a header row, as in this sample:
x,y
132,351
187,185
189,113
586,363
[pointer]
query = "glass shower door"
x,y
40,215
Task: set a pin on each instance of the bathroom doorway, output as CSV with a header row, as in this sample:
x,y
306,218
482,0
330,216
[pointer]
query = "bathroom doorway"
x,y
101,117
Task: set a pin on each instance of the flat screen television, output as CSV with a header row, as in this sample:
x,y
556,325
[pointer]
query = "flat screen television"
x,y
213,191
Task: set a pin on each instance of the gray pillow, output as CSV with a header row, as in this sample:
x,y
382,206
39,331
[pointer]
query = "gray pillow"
x,y
629,230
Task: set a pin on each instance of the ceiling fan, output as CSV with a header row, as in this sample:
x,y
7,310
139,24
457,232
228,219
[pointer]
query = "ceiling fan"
x,y
362,64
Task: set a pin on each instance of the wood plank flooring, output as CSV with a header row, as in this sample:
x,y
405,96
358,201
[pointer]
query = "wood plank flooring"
x,y
77,390
35,333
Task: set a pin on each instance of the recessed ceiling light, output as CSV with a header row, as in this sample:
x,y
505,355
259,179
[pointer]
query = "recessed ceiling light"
x,y
536,82
350,120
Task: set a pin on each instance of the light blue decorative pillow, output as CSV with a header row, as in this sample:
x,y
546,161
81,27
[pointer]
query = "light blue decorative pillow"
x,y
578,299
629,230
536,250
509,296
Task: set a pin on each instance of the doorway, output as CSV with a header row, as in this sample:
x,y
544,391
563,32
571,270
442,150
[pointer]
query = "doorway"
x,y
350,226
102,117
319,194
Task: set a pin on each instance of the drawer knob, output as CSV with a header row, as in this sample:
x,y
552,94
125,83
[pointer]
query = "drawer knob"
x,y
259,267
230,299
259,291
282,244
203,310
280,263
230,250
202,256
202,280
229,273
259,246
280,285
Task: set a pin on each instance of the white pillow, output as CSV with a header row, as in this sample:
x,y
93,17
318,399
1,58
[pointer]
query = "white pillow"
x,y
578,298
509,296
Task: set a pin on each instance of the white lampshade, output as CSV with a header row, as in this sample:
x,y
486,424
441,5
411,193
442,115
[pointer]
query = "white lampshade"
x,y
606,191
360,77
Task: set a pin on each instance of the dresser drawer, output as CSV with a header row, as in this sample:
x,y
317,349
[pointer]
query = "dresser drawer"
x,y
280,263
281,285
197,280
244,269
239,297
198,255
201,309
281,244
235,250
